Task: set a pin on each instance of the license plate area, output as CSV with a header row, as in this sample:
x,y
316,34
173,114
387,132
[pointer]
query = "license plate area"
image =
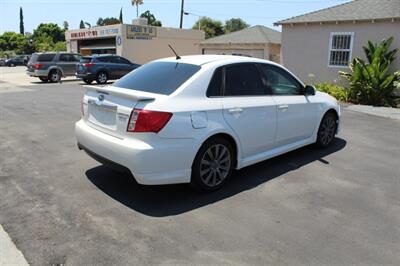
x,y
103,115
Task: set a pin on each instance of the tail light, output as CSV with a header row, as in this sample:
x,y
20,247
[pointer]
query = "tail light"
x,y
37,66
147,121
88,64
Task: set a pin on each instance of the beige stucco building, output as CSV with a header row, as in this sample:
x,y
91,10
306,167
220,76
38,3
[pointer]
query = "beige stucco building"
x,y
317,45
138,43
256,41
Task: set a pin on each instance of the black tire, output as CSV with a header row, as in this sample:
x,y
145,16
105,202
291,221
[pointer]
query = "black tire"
x,y
44,79
101,77
208,173
327,130
53,76
88,81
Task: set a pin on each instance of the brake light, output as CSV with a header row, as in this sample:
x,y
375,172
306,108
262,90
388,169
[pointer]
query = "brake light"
x,y
88,64
37,66
147,121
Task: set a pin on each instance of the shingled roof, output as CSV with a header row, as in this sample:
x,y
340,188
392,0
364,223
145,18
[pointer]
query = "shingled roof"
x,y
255,34
357,10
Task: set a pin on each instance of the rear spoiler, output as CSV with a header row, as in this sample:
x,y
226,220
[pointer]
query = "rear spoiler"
x,y
126,93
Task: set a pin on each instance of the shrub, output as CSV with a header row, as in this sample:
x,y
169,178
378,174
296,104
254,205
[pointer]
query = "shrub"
x,y
340,93
371,82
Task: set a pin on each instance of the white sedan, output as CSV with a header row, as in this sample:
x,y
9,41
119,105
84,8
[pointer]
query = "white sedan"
x,y
197,118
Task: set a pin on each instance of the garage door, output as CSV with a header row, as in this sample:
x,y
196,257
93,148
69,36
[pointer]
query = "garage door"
x,y
257,53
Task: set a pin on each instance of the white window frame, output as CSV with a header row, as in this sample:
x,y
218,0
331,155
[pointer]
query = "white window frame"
x,y
351,34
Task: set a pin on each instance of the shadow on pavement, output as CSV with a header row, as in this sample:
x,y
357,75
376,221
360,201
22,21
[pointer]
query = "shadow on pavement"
x,y
160,201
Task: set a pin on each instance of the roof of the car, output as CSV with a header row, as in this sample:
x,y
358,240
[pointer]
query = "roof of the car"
x,y
206,59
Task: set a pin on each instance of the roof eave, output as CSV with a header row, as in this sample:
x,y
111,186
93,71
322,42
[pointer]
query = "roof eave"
x,y
281,23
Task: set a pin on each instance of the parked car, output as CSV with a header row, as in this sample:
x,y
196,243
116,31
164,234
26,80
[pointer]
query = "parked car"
x,y
196,119
103,68
12,62
52,66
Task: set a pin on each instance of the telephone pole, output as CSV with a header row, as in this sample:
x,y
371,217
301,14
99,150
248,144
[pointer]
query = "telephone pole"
x,y
180,25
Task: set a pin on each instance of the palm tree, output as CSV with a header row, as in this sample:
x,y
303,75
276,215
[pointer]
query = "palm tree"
x,y
137,3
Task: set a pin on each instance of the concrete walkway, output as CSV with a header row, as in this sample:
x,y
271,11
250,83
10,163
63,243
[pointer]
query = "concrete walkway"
x,y
9,254
388,112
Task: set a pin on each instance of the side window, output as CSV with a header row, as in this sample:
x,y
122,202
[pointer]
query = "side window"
x,y
243,80
215,86
279,82
124,61
64,57
75,57
104,59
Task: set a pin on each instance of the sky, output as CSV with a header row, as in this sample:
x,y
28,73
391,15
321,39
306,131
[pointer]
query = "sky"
x,y
254,12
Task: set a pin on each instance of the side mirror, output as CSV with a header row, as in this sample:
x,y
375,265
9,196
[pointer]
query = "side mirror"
x,y
309,90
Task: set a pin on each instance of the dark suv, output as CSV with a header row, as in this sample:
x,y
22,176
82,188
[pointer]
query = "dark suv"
x,y
52,66
103,67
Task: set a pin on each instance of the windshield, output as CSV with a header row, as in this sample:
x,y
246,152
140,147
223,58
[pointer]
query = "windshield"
x,y
158,77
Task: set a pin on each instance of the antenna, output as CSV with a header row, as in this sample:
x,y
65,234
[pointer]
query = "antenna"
x,y
177,56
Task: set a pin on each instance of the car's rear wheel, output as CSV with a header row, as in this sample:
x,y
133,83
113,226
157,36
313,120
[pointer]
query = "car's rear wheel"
x,y
53,76
213,165
88,81
102,78
44,79
327,130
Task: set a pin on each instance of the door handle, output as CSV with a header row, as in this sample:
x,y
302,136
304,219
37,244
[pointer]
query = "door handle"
x,y
235,110
283,106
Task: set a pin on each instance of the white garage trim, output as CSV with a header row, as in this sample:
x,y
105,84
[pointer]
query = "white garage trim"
x,y
257,53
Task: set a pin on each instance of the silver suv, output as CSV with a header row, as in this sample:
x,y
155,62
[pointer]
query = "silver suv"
x,y
50,67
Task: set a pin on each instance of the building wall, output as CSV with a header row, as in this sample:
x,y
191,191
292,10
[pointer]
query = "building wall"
x,y
142,51
305,48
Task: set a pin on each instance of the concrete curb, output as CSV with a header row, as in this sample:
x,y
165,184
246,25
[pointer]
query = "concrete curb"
x,y
9,254
393,113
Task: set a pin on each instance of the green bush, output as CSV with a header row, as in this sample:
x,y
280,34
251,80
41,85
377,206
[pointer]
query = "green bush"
x,y
371,82
340,93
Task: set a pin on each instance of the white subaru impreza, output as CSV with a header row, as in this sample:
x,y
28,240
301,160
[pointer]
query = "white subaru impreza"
x,y
197,118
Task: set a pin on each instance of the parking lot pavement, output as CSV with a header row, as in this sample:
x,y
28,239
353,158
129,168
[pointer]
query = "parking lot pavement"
x,y
335,206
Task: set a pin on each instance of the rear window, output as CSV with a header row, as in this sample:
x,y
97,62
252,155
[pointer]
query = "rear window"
x,y
85,60
158,77
45,57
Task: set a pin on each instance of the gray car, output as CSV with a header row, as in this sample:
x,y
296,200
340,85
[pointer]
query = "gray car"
x,y
50,67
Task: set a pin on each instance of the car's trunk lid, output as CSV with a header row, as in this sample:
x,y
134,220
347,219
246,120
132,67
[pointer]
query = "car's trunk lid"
x,y
108,109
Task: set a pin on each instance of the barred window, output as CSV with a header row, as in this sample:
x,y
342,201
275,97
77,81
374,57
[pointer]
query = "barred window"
x,y
341,45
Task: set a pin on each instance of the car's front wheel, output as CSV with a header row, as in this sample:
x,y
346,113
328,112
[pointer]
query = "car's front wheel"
x,y
213,164
327,130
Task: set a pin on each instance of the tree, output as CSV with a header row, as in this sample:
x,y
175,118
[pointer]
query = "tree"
x,y
65,25
211,27
51,30
107,21
137,3
60,46
12,41
121,19
21,21
151,19
235,24
82,25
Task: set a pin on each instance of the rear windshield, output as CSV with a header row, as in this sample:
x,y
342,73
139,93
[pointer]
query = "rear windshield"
x,y
85,60
45,57
158,77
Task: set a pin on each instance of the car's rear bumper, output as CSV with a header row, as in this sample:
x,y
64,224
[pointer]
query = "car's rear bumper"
x,y
151,162
37,73
85,75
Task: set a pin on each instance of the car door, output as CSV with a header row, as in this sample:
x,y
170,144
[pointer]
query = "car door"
x,y
296,114
64,62
248,108
126,66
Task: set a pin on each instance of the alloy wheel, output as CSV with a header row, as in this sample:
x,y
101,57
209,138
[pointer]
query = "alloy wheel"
x,y
215,165
102,78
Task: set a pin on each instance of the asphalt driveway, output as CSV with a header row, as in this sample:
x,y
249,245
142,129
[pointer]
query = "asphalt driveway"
x,y
335,206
